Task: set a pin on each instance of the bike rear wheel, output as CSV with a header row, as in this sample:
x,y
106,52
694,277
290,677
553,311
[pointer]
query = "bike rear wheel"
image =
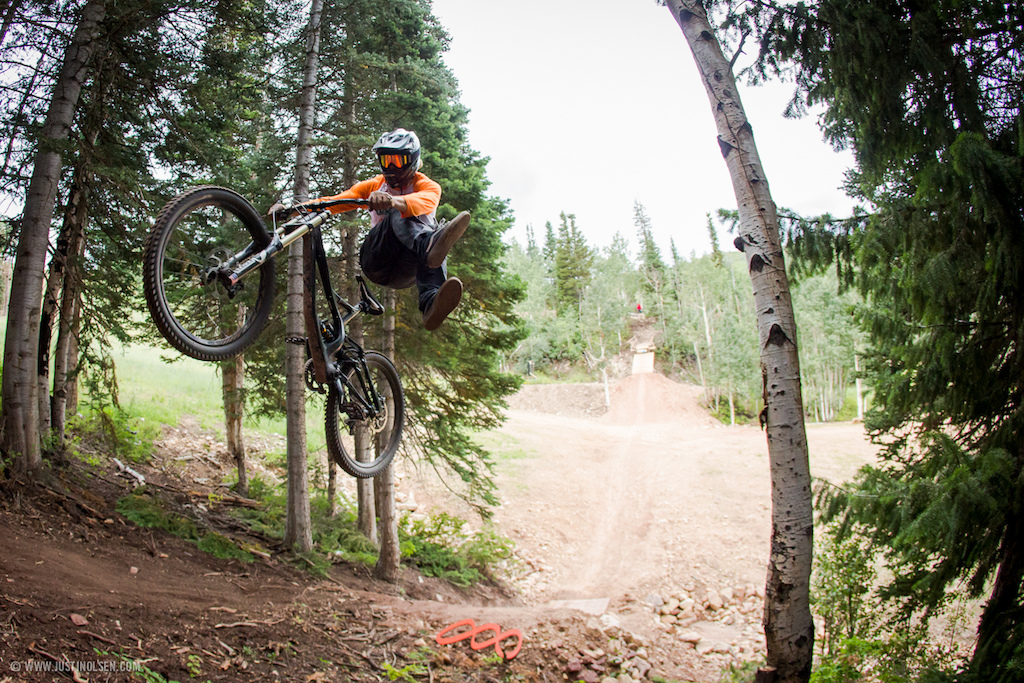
x,y
195,233
363,446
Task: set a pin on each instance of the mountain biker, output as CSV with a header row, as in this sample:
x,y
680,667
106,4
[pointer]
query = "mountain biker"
x,y
406,245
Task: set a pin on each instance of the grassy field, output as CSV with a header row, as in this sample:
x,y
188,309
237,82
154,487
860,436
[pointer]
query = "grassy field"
x,y
163,386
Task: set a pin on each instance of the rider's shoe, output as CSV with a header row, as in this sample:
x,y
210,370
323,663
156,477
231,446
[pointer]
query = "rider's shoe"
x,y
446,298
444,237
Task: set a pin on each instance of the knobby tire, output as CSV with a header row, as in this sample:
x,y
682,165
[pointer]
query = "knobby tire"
x,y
193,231
381,437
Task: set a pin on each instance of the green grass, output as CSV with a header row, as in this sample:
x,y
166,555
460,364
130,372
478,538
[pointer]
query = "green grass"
x,y
162,391
504,447
510,455
161,386
149,512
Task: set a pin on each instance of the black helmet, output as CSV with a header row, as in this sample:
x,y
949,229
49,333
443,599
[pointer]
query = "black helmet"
x,y
399,155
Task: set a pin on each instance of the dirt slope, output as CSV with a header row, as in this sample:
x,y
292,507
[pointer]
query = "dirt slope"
x,y
619,504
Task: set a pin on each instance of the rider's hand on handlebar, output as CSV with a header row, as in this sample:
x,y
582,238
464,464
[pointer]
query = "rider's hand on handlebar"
x,y
381,201
281,211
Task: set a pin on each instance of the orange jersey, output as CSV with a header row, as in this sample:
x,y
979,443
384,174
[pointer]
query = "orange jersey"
x,y
422,197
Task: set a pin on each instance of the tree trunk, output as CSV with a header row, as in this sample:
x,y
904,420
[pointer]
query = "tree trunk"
x,y
65,353
6,271
366,509
74,363
9,9
233,376
72,235
366,516
389,558
789,629
995,649
860,388
20,421
298,525
298,528
332,489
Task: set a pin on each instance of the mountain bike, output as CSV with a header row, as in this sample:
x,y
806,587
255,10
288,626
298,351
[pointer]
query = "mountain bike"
x,y
209,279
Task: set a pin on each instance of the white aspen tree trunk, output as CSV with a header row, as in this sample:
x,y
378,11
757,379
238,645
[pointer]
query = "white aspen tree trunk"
x,y
298,526
789,628
389,559
707,322
19,427
860,389
700,371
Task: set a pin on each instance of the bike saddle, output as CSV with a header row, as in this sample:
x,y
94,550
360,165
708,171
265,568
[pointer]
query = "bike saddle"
x,y
370,303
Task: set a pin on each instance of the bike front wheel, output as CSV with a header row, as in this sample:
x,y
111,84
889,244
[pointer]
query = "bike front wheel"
x,y
196,234
360,443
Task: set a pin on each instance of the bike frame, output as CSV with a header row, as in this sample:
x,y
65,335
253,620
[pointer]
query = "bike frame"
x,y
323,346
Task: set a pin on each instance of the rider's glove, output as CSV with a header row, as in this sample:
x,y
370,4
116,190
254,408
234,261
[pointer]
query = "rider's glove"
x,y
281,210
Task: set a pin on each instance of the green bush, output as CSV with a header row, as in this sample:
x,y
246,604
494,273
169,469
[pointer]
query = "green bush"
x,y
865,638
440,546
115,432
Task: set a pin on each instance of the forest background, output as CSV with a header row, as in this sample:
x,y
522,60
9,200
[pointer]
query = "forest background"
x,y
110,109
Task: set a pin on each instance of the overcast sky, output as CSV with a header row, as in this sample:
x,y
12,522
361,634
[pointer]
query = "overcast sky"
x,y
585,106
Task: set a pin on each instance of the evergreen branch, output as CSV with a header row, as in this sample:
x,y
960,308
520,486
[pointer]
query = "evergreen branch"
x,y
825,483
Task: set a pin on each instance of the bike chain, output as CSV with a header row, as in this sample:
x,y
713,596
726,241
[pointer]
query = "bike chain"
x,y
311,382
298,341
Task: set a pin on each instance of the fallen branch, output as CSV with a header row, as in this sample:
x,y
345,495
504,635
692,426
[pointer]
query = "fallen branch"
x,y
129,471
228,499
268,622
75,676
64,496
96,636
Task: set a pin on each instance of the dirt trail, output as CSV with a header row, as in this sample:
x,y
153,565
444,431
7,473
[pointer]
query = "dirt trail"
x,y
649,496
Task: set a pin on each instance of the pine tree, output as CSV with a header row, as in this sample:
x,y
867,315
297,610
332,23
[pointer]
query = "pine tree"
x,y
573,259
385,68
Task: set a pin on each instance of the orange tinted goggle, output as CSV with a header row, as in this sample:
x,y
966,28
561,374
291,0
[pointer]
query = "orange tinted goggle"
x,y
395,160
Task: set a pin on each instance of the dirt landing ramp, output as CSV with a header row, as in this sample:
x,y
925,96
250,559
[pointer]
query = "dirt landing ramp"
x,y
650,398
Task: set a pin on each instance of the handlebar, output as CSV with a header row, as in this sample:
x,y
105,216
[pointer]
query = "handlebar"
x,y
307,207
336,202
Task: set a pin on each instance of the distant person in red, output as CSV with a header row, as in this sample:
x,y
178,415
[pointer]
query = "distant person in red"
x,y
406,245
640,308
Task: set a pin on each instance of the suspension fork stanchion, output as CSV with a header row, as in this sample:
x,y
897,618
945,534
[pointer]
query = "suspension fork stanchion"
x,y
249,259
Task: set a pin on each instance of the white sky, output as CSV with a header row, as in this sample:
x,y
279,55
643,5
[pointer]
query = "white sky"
x,y
585,106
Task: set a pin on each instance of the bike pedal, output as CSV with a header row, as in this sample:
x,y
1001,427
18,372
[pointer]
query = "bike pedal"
x,y
298,341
